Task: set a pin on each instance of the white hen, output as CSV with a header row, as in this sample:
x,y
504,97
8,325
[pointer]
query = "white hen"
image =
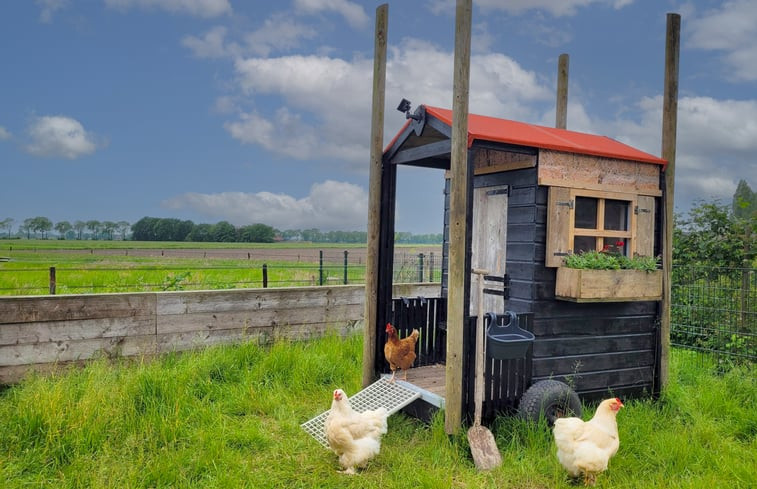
x,y
354,437
584,448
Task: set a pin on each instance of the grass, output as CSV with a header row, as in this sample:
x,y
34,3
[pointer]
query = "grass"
x,y
229,417
79,270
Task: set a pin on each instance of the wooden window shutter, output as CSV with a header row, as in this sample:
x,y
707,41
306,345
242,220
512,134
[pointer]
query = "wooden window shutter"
x,y
645,225
560,212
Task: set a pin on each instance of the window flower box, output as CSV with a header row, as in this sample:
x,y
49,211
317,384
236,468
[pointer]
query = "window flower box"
x,y
586,285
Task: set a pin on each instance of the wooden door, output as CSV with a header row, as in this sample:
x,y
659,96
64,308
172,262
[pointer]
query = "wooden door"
x,y
489,242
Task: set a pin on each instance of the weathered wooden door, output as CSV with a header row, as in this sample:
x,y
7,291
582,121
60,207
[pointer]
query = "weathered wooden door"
x,y
489,242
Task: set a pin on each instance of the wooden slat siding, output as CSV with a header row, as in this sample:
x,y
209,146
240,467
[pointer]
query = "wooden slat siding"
x,y
606,380
279,317
66,351
74,307
32,343
579,365
582,345
256,299
82,329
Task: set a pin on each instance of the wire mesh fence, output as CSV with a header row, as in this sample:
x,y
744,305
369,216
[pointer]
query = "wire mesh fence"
x,y
713,314
228,270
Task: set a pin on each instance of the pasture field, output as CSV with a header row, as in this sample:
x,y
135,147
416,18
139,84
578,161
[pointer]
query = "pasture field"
x,y
132,266
229,417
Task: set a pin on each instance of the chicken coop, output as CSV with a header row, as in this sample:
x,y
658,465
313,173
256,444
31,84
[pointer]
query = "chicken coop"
x,y
535,195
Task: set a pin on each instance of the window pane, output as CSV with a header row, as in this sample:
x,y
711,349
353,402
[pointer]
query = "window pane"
x,y
586,213
584,243
616,215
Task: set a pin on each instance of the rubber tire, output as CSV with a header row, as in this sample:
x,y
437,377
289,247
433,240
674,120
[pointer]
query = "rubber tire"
x,y
550,399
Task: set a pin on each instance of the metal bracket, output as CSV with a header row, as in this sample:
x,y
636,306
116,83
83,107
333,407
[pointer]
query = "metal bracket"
x,y
501,191
504,279
569,204
637,210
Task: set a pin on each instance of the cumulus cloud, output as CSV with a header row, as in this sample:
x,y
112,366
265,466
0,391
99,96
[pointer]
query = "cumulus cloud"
x,y
198,8
4,134
59,137
211,45
48,9
715,147
731,29
352,12
331,205
328,99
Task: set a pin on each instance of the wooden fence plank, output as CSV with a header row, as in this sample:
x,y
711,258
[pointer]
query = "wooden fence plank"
x,y
51,331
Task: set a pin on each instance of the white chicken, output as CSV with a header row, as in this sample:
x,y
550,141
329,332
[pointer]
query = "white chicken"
x,y
584,448
354,437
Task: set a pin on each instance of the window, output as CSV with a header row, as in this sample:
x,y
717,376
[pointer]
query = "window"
x,y
582,220
601,224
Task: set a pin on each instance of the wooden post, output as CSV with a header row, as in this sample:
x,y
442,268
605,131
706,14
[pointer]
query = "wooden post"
x,y
561,120
458,214
53,281
374,195
669,125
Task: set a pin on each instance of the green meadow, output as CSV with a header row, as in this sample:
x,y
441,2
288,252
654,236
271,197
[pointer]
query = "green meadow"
x,y
229,417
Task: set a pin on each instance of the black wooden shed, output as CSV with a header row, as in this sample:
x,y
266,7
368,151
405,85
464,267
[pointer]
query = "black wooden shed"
x,y
536,194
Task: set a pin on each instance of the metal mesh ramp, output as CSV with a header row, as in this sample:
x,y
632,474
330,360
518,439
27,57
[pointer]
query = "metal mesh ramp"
x,y
379,394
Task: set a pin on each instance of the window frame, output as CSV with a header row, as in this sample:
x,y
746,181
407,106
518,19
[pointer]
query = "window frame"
x,y
561,230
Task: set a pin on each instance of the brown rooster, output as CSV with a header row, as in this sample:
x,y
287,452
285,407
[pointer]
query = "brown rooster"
x,y
400,353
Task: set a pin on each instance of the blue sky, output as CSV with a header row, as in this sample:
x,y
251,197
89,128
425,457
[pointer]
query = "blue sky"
x,y
257,111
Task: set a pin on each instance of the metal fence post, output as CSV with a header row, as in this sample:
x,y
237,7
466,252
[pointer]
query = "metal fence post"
x,y
420,267
345,267
52,281
320,268
265,276
431,267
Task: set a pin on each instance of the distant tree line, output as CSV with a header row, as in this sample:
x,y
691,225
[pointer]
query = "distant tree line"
x,y
171,229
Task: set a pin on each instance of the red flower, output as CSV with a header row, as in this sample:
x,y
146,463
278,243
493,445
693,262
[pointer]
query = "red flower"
x,y
619,243
605,247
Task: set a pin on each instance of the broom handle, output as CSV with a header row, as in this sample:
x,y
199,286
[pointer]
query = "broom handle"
x,y
478,392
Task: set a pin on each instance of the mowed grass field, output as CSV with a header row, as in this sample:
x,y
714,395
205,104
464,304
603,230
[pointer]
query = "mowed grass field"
x,y
229,417
132,266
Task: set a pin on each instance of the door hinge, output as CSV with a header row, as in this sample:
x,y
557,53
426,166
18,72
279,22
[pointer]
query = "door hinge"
x,y
569,204
637,210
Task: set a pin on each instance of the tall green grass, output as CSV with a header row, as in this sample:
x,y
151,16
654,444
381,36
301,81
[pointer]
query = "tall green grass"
x,y
229,417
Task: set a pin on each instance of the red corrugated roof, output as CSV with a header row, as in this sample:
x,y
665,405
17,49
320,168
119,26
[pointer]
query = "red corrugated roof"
x,y
512,132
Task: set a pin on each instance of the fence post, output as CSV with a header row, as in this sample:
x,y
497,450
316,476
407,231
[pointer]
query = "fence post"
x,y
52,281
345,267
431,267
265,276
420,267
320,268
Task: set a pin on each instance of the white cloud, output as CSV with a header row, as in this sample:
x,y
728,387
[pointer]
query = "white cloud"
x,y
715,146
211,45
328,99
279,32
198,8
48,8
331,205
353,13
732,29
4,134
59,137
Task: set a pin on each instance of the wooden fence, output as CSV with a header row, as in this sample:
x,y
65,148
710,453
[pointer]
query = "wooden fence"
x,y
43,332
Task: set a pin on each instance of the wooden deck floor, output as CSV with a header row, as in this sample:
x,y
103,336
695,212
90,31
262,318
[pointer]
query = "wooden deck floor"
x,y
428,380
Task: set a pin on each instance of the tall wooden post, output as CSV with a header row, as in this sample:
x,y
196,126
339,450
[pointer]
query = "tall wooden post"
x,y
458,213
374,195
669,125
561,111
